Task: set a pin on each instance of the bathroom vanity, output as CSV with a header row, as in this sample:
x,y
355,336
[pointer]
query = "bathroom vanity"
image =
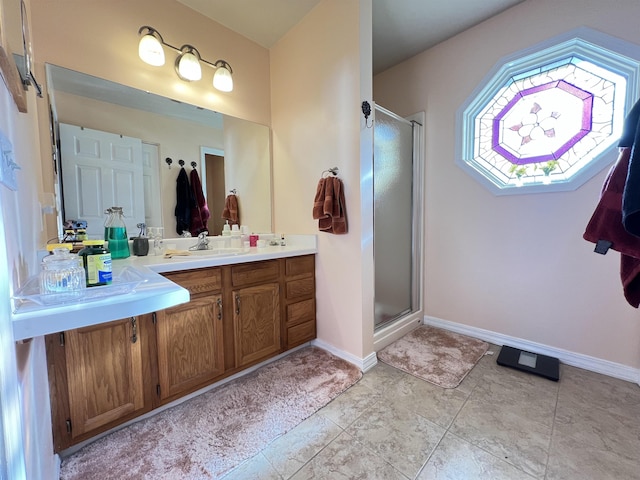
x,y
241,311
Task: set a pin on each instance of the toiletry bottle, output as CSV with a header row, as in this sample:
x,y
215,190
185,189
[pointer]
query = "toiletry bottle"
x,y
226,229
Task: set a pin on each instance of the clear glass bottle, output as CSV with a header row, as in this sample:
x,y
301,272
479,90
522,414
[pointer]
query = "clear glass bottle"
x,y
116,232
62,277
107,223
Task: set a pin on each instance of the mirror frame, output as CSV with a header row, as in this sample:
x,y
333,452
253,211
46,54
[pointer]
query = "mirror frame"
x,y
8,68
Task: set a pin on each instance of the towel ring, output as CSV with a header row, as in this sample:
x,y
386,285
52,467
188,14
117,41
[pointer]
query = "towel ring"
x,y
331,171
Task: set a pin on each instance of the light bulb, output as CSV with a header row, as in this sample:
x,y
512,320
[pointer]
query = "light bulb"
x,y
222,79
150,50
189,67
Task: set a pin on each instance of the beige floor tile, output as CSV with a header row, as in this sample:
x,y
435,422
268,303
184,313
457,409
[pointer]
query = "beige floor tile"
x,y
381,377
400,436
291,451
455,459
256,468
599,428
348,406
347,459
529,396
436,404
571,459
520,441
596,390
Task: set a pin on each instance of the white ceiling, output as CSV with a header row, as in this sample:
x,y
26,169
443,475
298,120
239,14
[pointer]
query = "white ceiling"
x,y
401,28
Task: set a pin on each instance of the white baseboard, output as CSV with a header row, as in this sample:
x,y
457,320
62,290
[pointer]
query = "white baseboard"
x,y
364,364
56,459
579,360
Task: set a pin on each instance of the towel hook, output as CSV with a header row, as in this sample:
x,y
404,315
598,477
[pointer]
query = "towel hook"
x,y
194,164
233,191
168,161
366,111
181,162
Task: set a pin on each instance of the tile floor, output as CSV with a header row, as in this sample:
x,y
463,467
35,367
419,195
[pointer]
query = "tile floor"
x,y
498,424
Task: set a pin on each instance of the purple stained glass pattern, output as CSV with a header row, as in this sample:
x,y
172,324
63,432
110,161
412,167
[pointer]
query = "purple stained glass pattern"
x,y
542,123
546,126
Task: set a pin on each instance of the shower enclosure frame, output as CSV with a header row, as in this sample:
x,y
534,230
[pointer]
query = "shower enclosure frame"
x,y
391,331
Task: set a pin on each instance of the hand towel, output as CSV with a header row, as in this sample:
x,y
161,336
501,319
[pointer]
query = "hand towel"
x,y
339,217
318,201
329,206
199,210
184,202
230,211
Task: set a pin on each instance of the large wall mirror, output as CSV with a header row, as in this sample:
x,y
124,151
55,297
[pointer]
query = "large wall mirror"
x,y
114,143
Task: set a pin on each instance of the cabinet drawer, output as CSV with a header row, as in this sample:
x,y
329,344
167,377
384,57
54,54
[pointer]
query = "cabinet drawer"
x,y
301,312
257,272
299,334
300,288
198,281
300,265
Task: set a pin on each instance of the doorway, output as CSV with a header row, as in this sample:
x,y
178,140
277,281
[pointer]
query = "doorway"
x,y
397,223
213,186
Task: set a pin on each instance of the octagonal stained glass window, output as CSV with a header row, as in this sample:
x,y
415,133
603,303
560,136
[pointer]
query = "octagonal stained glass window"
x,y
545,121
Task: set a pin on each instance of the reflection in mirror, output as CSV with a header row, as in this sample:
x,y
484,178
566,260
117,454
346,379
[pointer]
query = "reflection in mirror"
x,y
115,142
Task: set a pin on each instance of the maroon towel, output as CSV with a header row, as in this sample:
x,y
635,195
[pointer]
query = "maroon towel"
x,y
199,210
606,230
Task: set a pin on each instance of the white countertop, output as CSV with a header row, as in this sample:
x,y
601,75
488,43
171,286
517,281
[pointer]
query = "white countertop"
x,y
154,293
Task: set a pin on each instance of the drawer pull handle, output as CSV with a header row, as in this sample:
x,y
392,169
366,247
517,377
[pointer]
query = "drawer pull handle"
x,y
134,328
237,304
219,302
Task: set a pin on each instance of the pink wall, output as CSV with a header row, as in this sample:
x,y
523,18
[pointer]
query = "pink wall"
x,y
516,264
315,75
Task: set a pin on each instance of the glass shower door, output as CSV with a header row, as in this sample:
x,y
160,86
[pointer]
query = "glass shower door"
x,y
392,216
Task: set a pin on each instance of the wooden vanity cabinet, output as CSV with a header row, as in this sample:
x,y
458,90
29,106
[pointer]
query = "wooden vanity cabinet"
x,y
238,316
257,326
97,378
300,300
189,337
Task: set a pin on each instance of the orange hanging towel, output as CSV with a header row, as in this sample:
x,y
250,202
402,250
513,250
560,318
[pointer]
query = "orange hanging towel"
x,y
230,211
329,206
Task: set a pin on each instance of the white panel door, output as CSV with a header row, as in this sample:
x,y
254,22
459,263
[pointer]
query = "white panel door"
x,y
101,170
151,179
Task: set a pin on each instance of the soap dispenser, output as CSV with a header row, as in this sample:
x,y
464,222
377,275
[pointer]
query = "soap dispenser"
x,y
141,242
226,229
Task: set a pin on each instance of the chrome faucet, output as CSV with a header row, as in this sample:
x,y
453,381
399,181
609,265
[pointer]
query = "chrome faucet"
x,y
203,242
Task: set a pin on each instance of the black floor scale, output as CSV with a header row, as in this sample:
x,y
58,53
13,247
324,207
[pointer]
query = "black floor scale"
x,y
543,365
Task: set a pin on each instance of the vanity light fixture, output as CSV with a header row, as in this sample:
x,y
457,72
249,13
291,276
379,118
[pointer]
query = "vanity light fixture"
x,y
188,63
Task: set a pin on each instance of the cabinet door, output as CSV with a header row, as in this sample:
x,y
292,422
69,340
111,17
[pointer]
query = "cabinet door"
x,y
256,321
190,348
104,374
